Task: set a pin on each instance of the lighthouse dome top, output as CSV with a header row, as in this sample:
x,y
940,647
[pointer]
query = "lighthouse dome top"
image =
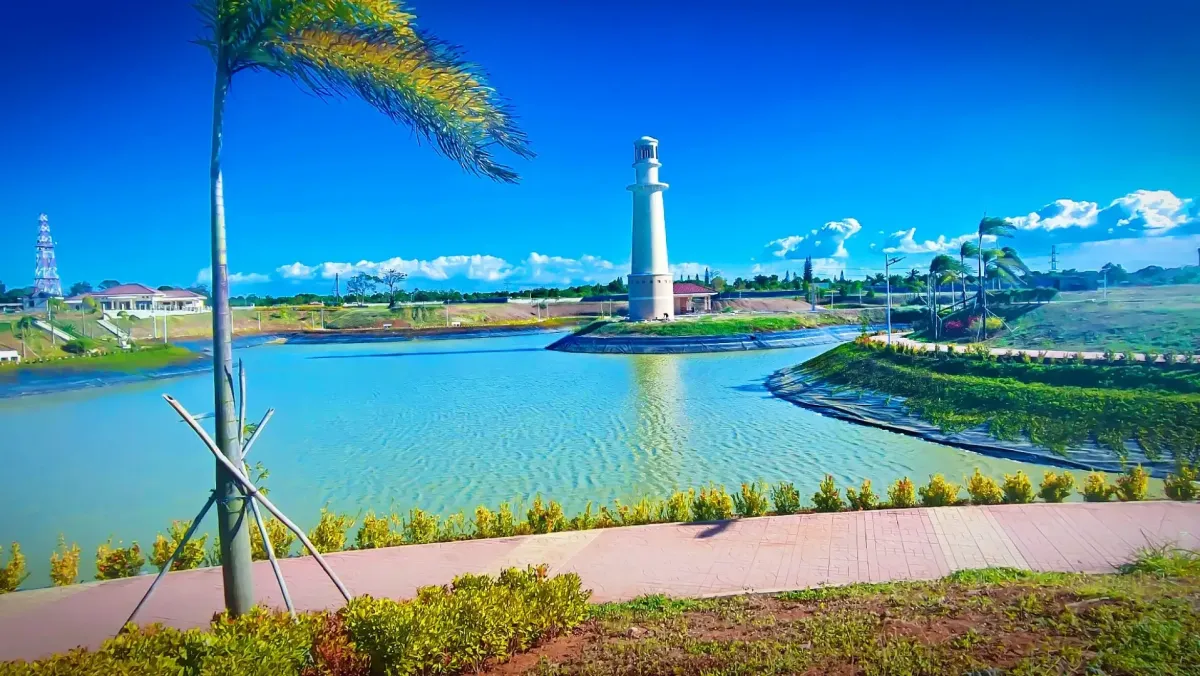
x,y
646,141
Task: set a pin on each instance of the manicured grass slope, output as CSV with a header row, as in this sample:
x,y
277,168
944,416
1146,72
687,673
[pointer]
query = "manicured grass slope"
x,y
727,325
1056,406
1015,622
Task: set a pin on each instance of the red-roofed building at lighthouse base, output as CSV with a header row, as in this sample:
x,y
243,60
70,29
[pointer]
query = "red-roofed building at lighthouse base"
x,y
691,298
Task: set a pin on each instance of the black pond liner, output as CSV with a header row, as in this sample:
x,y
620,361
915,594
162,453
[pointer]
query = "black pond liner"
x,y
867,407
738,342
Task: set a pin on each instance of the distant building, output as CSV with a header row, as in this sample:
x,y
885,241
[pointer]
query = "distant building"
x,y
9,356
142,301
691,297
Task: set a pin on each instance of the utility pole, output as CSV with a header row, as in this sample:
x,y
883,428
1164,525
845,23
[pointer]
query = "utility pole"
x,y
1104,282
1053,258
887,277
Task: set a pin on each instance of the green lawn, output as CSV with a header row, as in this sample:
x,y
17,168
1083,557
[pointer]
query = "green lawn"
x,y
143,358
990,621
724,325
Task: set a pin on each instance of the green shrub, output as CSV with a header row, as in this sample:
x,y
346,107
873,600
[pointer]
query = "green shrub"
x,y
191,556
12,574
644,511
1056,487
1096,489
329,535
75,346
454,527
1017,489
281,540
485,523
984,490
1133,484
584,520
864,498
679,506
902,494
377,531
463,626
113,563
64,564
420,528
938,492
1180,486
712,504
752,500
828,498
545,518
785,498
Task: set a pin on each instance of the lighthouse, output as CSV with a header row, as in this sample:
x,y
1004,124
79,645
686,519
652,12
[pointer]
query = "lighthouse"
x,y
651,291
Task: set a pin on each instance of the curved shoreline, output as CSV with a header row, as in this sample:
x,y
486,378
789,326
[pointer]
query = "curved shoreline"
x,y
873,409
737,342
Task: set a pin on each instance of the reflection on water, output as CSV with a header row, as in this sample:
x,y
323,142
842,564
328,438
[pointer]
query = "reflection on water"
x,y
446,426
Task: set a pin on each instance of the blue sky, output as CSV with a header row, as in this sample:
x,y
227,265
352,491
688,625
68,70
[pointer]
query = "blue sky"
x,y
860,122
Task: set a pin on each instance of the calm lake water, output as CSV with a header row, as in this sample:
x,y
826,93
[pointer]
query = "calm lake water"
x,y
442,425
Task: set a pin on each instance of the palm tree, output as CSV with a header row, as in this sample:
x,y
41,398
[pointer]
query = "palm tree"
x,y
968,250
942,269
24,325
988,227
370,49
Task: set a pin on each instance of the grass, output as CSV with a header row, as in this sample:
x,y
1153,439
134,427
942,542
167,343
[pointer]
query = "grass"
x,y
1137,319
990,621
718,325
149,357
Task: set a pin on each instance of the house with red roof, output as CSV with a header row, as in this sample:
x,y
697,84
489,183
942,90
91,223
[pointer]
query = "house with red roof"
x,y
141,301
691,298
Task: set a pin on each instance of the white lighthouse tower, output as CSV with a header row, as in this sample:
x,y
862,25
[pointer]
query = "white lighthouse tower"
x,y
651,290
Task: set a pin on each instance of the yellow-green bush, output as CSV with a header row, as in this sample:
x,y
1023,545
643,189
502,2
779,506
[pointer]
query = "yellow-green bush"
x,y
12,573
828,498
584,520
64,563
785,498
938,492
984,490
864,498
1096,489
281,540
420,528
712,504
545,518
1056,487
454,527
752,500
902,494
1180,486
1133,484
679,506
117,562
191,556
444,630
378,531
1018,489
329,535
640,513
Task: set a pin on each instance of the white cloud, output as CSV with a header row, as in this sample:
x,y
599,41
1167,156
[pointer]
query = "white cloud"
x,y
539,268
296,270
1150,213
688,269
828,241
205,277
536,268
905,241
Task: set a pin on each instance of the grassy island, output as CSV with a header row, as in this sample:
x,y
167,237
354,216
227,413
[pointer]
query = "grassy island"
x,y
136,359
727,325
1057,405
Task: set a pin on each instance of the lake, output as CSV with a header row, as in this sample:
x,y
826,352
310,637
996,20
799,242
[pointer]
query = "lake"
x,y
444,425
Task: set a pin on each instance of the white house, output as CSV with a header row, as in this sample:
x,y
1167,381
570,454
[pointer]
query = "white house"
x,y
142,301
9,356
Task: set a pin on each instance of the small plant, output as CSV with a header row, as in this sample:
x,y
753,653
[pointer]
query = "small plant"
x,y
64,563
679,506
377,531
281,541
938,492
546,518
113,563
1181,485
454,527
1056,487
828,498
191,556
420,528
12,574
1017,489
712,504
1096,488
984,490
785,498
1164,561
329,535
864,498
484,523
1133,484
752,500
902,494
584,520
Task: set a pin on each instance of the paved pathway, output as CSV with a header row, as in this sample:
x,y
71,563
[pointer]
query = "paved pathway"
x,y
751,555
899,338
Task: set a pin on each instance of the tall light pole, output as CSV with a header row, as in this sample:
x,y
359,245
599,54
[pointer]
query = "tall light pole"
x,y
887,276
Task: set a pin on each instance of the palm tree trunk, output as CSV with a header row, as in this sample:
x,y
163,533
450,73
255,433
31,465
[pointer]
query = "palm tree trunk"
x,y
982,292
232,516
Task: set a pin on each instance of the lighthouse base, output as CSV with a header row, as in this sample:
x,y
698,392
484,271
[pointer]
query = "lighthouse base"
x,y
651,297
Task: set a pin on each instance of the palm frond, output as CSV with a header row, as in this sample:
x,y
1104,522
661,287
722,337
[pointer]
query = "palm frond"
x,y
996,227
968,249
372,49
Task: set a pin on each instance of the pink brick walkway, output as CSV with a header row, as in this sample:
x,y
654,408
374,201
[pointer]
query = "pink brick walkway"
x,y
751,555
